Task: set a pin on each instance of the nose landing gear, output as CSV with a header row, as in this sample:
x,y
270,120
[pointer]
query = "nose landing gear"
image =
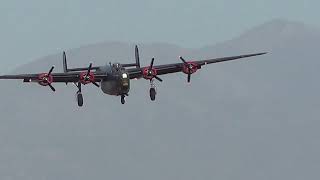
x,y
123,100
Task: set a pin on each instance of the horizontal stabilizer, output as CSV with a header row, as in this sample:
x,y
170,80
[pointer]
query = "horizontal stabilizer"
x,y
65,66
137,58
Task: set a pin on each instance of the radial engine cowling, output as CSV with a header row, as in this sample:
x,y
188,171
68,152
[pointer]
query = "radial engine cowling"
x,y
45,79
149,73
189,68
86,78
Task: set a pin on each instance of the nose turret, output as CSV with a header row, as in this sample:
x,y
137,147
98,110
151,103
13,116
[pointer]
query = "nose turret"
x,y
117,67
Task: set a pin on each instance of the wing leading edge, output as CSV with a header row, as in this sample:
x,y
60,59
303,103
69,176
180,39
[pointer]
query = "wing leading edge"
x,y
178,67
133,73
57,77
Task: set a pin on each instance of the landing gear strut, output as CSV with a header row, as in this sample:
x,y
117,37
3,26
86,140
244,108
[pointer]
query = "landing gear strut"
x,y
79,95
152,91
123,99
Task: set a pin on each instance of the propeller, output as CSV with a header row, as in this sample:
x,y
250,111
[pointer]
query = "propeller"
x,y
49,75
89,77
150,72
46,79
189,68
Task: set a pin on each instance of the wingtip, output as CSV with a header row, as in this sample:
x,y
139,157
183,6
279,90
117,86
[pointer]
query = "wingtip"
x,y
259,54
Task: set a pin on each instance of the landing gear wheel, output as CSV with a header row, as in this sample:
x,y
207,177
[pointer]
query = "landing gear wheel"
x,y
153,94
80,99
123,99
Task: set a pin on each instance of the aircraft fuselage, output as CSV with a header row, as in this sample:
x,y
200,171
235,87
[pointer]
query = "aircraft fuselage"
x,y
117,82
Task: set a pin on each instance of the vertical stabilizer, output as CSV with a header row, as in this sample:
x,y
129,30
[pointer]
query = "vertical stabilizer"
x,y
65,65
137,57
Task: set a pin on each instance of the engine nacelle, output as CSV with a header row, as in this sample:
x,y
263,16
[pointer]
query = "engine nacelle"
x,y
189,68
149,73
86,78
45,79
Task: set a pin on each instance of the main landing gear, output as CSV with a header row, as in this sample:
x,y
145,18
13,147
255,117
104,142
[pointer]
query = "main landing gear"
x,y
79,95
152,90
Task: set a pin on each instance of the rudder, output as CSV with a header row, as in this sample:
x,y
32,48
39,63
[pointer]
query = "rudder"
x,y
137,57
65,65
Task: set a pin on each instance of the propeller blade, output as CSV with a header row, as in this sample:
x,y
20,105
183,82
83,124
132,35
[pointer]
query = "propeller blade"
x,y
189,68
159,79
89,69
50,71
94,83
52,88
151,64
183,60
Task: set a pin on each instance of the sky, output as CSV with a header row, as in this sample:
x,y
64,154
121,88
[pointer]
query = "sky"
x,y
36,28
260,119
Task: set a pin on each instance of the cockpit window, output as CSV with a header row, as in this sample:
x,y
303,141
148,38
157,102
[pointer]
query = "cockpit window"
x,y
117,66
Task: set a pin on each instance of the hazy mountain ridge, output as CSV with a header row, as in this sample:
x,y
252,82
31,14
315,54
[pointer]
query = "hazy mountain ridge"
x,y
249,119
272,36
103,53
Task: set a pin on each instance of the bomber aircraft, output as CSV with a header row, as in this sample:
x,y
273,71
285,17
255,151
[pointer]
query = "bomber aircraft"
x,y
114,79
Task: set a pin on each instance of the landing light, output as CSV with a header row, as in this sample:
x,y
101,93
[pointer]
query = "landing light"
x,y
124,75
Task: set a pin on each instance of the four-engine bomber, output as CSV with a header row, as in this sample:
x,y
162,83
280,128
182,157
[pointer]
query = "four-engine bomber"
x,y
114,79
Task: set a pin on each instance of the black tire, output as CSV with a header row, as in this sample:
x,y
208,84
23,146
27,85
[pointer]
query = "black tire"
x,y
153,94
80,99
123,99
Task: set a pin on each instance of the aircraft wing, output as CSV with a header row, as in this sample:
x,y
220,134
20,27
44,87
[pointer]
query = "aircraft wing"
x,y
56,77
179,67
